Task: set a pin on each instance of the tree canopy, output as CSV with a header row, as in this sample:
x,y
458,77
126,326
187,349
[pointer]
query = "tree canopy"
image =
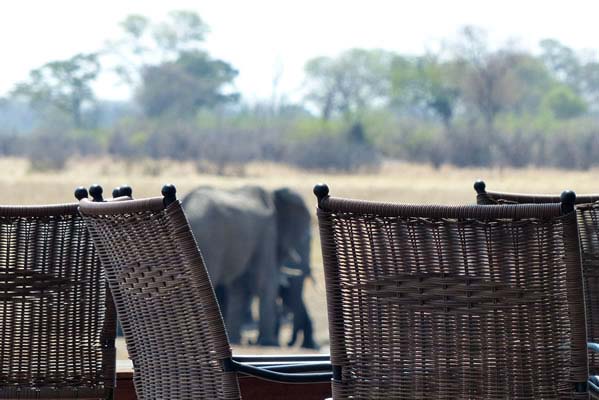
x,y
170,72
183,87
63,85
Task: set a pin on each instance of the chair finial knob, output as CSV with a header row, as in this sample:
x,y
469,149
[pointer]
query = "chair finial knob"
x,y
480,186
568,200
96,192
125,190
170,194
80,193
321,190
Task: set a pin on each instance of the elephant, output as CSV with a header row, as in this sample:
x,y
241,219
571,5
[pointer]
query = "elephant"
x,y
290,293
246,236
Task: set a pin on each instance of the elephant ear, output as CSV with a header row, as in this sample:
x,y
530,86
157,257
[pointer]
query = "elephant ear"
x,y
293,226
289,203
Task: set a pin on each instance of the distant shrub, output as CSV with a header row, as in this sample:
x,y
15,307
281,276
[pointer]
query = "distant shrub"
x,y
564,103
226,151
225,143
49,151
333,153
421,143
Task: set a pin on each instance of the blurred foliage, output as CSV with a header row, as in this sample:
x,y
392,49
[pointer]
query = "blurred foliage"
x,y
422,83
183,87
564,103
348,84
468,104
63,85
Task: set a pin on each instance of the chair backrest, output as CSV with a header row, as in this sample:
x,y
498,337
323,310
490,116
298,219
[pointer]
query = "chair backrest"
x,y
468,302
172,324
57,319
588,231
485,197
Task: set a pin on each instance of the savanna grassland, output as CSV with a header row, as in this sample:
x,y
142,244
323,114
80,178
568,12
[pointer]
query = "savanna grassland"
x,y
400,182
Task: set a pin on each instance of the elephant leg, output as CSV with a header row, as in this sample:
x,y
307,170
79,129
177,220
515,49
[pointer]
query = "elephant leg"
x,y
280,310
286,295
248,318
237,303
306,323
284,309
267,278
301,319
294,332
268,333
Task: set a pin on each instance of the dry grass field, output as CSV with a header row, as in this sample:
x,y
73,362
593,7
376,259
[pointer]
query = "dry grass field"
x,y
396,181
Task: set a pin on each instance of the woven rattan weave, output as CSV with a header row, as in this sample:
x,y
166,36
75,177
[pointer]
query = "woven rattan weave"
x,y
174,330
57,324
453,302
588,230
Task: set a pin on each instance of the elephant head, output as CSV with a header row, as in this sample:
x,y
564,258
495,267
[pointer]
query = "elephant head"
x,y
293,229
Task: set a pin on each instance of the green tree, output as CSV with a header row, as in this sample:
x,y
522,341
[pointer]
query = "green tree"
x,y
564,103
591,84
166,67
145,43
349,84
563,62
183,31
426,83
489,82
62,85
131,50
579,72
530,80
182,87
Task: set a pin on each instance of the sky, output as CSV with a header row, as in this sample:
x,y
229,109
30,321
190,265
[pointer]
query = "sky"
x,y
262,38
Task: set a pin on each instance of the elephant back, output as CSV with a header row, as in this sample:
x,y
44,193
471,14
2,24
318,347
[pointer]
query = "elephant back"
x,y
232,227
206,200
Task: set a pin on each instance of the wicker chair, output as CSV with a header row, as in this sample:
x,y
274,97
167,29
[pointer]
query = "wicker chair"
x,y
453,302
588,230
57,320
172,324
